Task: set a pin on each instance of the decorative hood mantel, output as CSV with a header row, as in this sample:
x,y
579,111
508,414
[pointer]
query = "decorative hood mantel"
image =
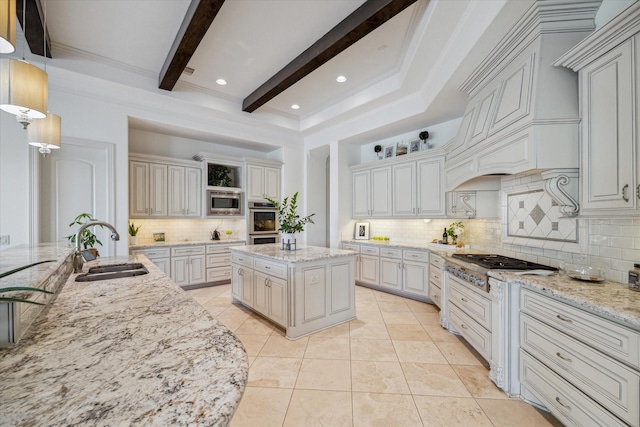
x,y
523,112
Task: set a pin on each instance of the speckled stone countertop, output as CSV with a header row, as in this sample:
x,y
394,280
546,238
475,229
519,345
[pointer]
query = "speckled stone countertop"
x,y
187,243
130,351
19,256
274,251
608,299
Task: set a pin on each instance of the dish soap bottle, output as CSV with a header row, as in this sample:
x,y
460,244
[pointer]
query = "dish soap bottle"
x,y
445,237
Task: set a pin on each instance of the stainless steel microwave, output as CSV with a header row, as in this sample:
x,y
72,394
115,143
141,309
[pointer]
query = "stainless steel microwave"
x,y
220,202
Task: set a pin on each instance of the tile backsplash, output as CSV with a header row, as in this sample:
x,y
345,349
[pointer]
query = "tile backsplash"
x,y
180,230
613,244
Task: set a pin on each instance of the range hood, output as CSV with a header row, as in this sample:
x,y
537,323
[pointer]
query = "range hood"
x,y
523,113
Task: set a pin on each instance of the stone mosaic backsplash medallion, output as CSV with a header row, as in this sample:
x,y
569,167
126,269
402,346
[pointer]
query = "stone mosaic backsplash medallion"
x,y
535,215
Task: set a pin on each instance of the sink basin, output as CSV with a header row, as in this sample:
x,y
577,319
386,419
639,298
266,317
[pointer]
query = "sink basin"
x,y
114,271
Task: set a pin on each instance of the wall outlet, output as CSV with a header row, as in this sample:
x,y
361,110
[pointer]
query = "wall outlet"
x,y
4,240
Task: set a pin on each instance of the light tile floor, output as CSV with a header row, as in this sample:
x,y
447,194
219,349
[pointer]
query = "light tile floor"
x,y
393,366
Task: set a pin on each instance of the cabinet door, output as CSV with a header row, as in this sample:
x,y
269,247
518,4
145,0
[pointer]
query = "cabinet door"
x,y
416,278
272,183
138,189
380,191
163,264
192,193
157,190
390,273
197,270
255,183
180,270
236,281
261,293
361,189
247,287
607,131
278,300
430,183
404,190
369,269
176,191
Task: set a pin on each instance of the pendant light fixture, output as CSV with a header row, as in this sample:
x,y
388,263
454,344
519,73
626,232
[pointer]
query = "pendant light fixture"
x,y
46,133
23,87
7,26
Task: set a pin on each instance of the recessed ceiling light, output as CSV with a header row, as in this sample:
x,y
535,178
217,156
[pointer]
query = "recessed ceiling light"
x,y
341,79
295,106
221,82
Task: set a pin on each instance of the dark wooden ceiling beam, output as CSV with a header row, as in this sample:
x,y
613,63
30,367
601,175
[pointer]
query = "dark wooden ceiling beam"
x,y
35,33
358,24
197,21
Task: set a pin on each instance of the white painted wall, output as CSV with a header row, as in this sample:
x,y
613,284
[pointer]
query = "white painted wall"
x,y
317,191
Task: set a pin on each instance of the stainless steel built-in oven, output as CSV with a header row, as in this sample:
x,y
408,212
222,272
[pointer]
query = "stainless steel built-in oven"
x,y
263,218
263,239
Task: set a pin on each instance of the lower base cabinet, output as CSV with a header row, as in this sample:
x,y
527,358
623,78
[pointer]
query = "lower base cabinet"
x,y
303,297
188,265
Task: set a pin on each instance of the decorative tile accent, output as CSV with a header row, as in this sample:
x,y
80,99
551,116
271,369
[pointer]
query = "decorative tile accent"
x,y
534,215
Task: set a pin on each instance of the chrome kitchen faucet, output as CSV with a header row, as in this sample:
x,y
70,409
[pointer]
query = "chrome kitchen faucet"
x,y
78,261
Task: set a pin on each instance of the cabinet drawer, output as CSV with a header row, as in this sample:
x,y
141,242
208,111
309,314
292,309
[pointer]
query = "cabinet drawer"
x,y
351,247
609,337
219,248
436,261
611,384
271,268
416,256
391,253
475,334
368,250
152,253
435,276
435,294
242,259
218,274
187,250
564,401
219,260
474,305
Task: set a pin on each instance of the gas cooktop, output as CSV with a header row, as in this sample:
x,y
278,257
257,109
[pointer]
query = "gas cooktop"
x,y
499,262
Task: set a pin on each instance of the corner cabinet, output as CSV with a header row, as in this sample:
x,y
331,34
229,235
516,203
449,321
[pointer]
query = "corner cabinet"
x,y
162,187
263,180
411,186
608,64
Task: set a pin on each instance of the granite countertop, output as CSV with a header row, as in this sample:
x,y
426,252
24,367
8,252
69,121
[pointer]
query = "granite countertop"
x,y
22,255
442,250
274,251
187,243
609,299
131,351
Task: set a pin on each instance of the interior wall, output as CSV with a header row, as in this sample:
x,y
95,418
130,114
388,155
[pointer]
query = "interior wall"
x,y
317,196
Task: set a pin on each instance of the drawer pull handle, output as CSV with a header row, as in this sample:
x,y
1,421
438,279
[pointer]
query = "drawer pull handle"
x,y
567,407
267,267
624,193
564,319
463,326
464,300
566,359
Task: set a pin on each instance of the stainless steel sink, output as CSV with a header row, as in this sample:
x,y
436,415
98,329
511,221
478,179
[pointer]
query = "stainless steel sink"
x,y
113,271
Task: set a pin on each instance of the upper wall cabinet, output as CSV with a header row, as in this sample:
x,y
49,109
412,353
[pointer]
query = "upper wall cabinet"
x,y
161,187
411,186
523,112
263,180
609,67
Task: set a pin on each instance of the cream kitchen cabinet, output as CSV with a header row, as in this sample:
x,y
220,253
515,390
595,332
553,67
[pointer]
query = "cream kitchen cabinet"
x,y
262,182
270,290
608,65
147,189
188,265
584,368
185,190
161,187
242,278
356,249
370,265
418,189
161,257
219,262
372,192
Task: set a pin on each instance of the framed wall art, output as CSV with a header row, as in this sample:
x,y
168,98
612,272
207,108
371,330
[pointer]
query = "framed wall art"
x,y
361,231
388,151
414,146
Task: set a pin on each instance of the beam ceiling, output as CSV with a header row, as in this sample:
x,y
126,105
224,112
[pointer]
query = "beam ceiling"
x,y
197,21
34,34
361,22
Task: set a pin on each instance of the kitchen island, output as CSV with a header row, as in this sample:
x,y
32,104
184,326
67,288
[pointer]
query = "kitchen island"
x,y
127,351
304,290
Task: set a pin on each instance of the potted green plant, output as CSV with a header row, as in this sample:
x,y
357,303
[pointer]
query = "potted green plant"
x,y
87,238
133,233
290,221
